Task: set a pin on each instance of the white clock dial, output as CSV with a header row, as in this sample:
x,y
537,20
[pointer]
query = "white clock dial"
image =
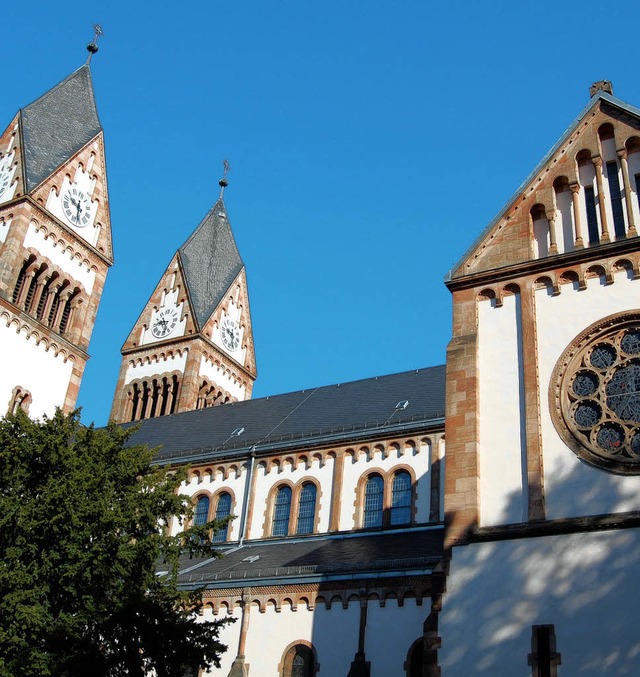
x,y
165,322
76,207
230,334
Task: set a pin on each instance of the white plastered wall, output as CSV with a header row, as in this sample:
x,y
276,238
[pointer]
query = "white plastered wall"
x,y
573,488
229,635
218,374
502,490
497,591
168,364
34,368
333,632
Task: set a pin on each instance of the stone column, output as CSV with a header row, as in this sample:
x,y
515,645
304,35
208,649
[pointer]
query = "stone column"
x,y
577,219
531,424
239,668
597,163
49,302
622,154
147,390
26,283
63,298
35,301
553,244
336,491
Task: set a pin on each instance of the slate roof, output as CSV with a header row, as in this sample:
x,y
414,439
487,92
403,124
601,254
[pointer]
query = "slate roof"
x,y
58,125
343,411
600,96
211,262
324,557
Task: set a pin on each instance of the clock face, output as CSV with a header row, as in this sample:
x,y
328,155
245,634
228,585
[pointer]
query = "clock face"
x,y
76,207
230,333
166,320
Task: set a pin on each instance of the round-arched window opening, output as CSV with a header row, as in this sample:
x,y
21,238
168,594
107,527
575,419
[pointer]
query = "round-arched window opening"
x,y
594,394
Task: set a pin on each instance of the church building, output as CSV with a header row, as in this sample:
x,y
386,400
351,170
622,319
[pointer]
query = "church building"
x,y
476,517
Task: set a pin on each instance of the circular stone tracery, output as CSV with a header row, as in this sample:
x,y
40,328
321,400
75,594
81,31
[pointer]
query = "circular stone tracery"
x,y
595,394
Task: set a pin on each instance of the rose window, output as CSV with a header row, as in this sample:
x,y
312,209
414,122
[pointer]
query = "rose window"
x,y
595,394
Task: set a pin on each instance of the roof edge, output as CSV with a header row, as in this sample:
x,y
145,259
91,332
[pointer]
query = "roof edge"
x,y
601,95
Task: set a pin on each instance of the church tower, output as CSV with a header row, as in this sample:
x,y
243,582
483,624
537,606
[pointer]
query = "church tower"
x,y
192,346
55,245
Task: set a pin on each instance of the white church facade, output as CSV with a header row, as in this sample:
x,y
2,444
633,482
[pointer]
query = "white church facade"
x,y
360,544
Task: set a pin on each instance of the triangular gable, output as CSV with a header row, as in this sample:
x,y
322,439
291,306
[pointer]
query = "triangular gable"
x,y
235,304
58,125
171,292
211,262
87,169
503,231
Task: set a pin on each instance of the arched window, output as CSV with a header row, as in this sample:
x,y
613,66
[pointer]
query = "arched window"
x,y
401,498
20,399
298,662
223,509
201,514
307,508
373,494
281,510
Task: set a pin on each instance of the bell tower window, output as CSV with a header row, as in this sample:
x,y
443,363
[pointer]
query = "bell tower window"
x,y
616,198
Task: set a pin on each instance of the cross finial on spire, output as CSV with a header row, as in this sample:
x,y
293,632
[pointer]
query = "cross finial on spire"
x,y
223,183
92,47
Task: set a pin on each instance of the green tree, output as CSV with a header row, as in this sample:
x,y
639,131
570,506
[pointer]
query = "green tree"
x,y
81,541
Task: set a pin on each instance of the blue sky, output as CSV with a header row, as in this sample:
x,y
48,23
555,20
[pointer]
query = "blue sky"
x,y
370,142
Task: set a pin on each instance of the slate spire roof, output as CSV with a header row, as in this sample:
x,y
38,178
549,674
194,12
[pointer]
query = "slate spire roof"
x,y
211,262
58,125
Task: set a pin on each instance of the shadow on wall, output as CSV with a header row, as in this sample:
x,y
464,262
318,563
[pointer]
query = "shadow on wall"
x,y
586,584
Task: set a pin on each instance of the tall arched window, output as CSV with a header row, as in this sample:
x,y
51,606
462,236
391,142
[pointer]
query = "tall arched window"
x,y
373,494
307,508
201,514
281,510
223,509
401,498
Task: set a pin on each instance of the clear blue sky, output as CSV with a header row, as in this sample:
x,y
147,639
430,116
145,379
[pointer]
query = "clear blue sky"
x,y
370,142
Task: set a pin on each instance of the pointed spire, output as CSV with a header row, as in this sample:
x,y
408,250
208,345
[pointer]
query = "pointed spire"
x,y
58,125
211,261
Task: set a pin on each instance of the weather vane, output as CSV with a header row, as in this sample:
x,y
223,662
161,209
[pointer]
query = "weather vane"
x,y
92,47
223,183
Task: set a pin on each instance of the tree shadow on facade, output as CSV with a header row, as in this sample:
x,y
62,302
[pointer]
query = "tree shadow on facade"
x,y
579,575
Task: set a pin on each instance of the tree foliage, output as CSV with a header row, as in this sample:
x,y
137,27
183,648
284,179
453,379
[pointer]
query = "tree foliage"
x,y
81,540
